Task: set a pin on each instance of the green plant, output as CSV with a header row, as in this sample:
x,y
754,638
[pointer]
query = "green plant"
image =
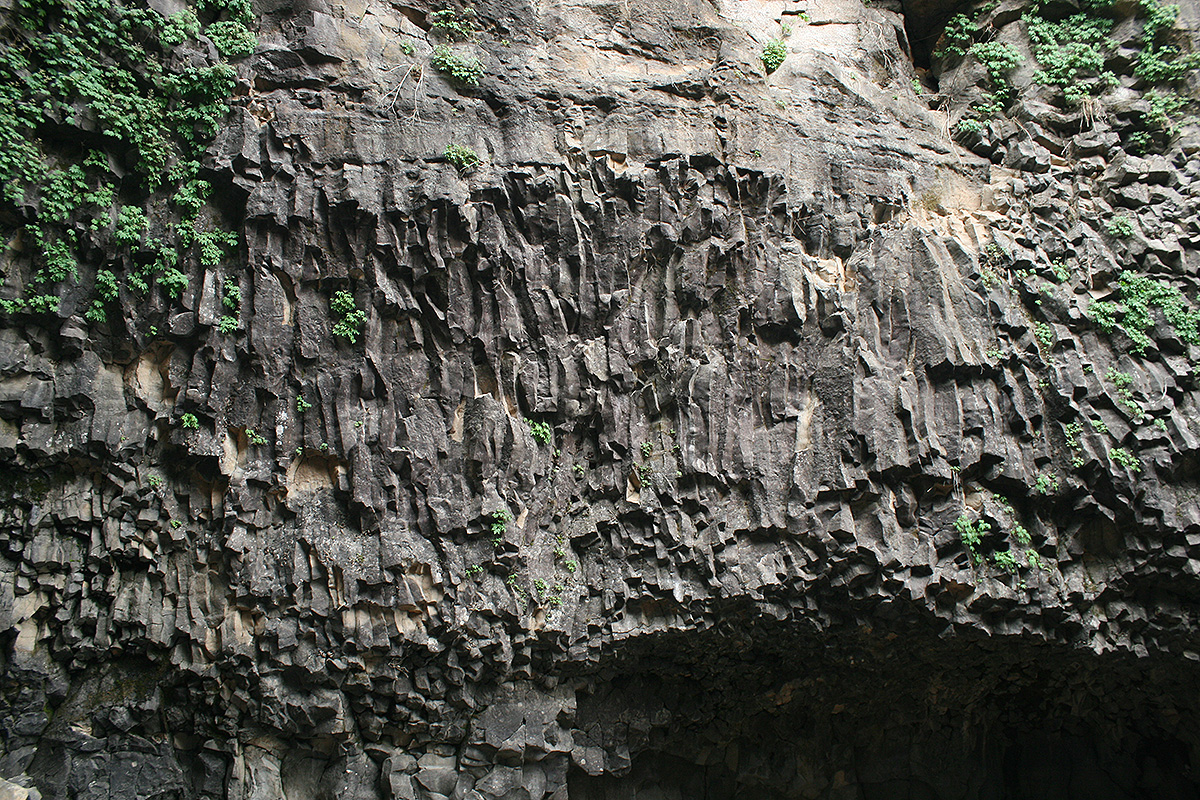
x,y
1161,424
474,569
1158,60
1123,382
773,55
232,297
1044,334
969,126
971,534
350,325
463,159
1005,560
571,565
499,525
1099,426
957,37
1046,484
176,524
998,59
448,23
1105,314
647,449
1140,294
302,405
1126,459
513,582
254,437
154,482
1035,561
1119,227
1072,433
105,62
188,422
1071,52
465,69
407,48
231,38
580,470
541,431
1021,535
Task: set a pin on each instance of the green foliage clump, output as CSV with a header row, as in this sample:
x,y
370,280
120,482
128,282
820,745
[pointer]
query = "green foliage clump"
x,y
1164,106
1005,560
463,158
998,59
541,431
131,225
465,69
1071,52
1105,314
449,24
188,422
106,65
1044,334
957,38
1119,227
351,317
1140,295
773,55
971,534
178,28
1046,484
499,525
1126,459
970,126
231,38
1159,61
1072,433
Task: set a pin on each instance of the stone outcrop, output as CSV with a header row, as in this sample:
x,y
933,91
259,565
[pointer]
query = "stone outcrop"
x,y
794,343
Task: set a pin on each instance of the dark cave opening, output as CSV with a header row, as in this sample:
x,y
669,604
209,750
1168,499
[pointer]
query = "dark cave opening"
x,y
924,21
889,716
1040,764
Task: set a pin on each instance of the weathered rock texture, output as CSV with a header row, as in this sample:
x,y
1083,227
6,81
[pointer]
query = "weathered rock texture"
x,y
786,332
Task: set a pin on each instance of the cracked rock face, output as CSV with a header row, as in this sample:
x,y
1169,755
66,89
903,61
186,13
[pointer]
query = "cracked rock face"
x,y
717,435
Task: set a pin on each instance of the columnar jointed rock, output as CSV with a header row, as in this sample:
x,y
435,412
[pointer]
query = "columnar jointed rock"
x,y
794,346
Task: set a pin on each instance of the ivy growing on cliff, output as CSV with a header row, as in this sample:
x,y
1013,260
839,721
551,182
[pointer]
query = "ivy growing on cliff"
x,y
106,107
1140,296
1073,52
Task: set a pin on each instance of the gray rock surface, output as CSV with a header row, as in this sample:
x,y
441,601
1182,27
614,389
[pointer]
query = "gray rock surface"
x,y
786,331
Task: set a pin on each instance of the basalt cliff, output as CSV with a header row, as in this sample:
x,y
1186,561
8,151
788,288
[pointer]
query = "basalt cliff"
x,y
600,400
